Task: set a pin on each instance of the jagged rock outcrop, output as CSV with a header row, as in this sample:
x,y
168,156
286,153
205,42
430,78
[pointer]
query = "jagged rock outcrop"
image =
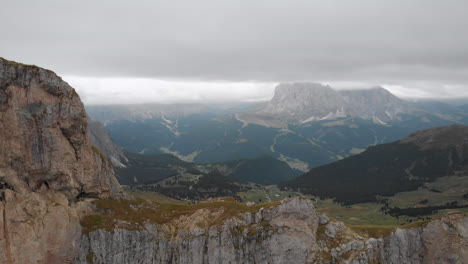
x,y
47,165
290,233
442,241
101,139
281,234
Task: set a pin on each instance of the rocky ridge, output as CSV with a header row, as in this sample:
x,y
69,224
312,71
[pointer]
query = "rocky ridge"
x,y
290,232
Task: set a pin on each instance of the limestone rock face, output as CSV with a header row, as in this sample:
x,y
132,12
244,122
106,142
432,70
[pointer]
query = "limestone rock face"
x,y
282,234
47,165
442,241
290,233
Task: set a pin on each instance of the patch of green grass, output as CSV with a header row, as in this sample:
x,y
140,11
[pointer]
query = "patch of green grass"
x,y
373,231
383,231
92,222
450,189
358,214
265,193
447,211
134,214
90,258
99,153
154,196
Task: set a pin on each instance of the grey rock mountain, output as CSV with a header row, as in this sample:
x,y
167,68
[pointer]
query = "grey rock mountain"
x,y
305,102
309,102
376,104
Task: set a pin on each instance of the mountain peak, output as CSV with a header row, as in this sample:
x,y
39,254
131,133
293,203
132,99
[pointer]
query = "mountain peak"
x,y
305,102
302,101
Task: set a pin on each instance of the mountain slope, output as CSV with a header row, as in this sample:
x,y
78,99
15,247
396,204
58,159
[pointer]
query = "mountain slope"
x,y
146,169
263,170
376,104
196,186
390,168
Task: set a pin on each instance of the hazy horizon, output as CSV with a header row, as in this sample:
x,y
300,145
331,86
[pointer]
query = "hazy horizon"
x,y
191,94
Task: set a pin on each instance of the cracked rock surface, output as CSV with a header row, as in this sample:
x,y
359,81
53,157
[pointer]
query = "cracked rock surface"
x,y
47,165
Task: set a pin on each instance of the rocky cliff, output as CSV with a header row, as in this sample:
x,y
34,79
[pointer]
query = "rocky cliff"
x,y
47,165
280,234
290,232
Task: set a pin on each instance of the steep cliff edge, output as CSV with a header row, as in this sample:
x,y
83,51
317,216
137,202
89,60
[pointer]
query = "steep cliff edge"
x,y
47,165
289,232
212,232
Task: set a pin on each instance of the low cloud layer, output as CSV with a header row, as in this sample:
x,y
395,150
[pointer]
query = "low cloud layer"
x,y
418,47
142,90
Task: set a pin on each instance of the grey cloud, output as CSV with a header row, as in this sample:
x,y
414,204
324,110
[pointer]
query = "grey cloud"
x,y
375,41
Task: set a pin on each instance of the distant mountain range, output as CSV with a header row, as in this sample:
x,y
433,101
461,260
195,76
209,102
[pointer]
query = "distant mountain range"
x,y
305,125
386,169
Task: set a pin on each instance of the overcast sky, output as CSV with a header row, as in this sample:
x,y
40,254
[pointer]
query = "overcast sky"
x,y
169,51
